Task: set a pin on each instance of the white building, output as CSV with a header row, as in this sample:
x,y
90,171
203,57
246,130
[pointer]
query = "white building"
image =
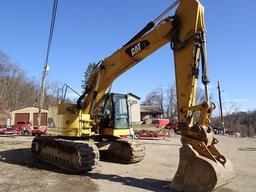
x,y
134,108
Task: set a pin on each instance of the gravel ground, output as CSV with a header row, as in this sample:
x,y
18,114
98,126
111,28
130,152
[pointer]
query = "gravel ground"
x,y
21,173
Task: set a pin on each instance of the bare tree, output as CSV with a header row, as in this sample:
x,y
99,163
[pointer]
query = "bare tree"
x,y
167,99
16,90
171,101
154,98
3,113
161,98
51,93
253,116
12,82
231,118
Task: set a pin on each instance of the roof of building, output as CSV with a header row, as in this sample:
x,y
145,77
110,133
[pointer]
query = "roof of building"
x,y
133,95
32,107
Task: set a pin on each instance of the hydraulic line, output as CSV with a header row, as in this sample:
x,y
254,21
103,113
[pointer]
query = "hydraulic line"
x,y
166,11
152,24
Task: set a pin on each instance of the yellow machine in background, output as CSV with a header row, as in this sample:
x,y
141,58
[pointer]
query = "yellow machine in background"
x,y
62,121
89,127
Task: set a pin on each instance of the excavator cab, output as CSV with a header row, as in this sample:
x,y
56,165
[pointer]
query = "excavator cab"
x,y
114,118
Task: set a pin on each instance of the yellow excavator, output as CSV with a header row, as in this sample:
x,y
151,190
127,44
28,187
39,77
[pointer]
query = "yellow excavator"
x,y
80,134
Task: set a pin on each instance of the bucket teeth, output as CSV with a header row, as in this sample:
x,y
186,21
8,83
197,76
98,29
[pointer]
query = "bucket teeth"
x,y
197,173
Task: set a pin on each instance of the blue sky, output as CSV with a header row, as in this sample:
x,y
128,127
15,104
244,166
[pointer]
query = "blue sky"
x,y
87,31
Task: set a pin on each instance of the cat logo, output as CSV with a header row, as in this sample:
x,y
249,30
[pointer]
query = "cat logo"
x,y
136,48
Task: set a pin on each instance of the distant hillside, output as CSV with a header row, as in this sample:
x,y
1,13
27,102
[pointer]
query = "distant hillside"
x,y
243,122
17,90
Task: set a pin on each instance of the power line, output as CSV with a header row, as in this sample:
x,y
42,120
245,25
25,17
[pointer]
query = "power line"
x,y
45,69
54,13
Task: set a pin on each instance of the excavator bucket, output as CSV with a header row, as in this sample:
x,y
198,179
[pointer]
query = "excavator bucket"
x,y
199,174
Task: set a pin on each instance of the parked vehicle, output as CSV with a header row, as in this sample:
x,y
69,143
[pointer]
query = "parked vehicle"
x,y
35,132
160,122
23,126
11,131
232,133
173,124
2,130
217,130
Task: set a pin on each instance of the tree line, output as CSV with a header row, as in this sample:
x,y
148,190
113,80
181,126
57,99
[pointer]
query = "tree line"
x,y
238,121
18,91
166,99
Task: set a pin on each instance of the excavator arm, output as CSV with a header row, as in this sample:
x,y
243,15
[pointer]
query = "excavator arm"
x,y
185,31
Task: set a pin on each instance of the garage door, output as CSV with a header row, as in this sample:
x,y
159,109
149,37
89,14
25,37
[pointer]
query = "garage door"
x,y
21,117
43,119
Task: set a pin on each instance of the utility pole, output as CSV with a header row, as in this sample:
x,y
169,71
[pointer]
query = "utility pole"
x,y
42,95
46,66
221,112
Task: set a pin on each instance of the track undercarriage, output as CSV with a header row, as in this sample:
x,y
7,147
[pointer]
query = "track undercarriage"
x,y
82,154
